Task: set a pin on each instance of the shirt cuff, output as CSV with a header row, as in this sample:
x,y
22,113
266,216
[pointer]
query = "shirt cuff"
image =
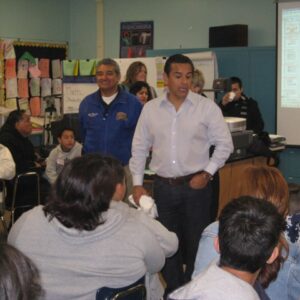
x,y
211,168
137,179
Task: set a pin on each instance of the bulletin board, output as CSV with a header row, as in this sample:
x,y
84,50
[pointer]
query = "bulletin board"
x,y
37,50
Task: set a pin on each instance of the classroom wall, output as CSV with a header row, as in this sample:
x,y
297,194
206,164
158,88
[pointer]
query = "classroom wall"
x,y
177,23
185,23
35,20
83,29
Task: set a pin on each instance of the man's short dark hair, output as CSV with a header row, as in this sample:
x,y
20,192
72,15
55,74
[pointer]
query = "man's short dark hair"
x,y
109,62
83,191
177,59
62,130
236,80
249,230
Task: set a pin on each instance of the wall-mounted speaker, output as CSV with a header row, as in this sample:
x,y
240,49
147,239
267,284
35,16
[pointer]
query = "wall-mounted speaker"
x,y
228,36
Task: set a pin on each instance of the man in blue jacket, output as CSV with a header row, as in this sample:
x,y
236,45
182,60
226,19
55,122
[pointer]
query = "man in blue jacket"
x,y
108,117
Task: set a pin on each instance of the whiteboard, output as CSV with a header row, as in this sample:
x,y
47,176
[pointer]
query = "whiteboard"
x,y
74,93
206,62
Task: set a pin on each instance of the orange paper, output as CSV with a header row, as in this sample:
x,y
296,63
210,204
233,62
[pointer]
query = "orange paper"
x,y
35,106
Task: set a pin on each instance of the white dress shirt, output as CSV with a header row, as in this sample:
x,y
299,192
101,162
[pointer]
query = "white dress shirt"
x,y
8,167
180,140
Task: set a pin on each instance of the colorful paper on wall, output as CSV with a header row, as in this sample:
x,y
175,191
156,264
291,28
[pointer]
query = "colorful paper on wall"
x,y
11,88
9,50
27,56
56,68
23,68
34,70
23,88
44,64
10,68
46,87
35,106
34,85
56,86
11,103
87,67
23,103
70,67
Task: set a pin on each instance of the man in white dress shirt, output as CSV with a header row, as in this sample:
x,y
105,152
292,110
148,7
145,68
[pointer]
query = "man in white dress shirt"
x,y
180,127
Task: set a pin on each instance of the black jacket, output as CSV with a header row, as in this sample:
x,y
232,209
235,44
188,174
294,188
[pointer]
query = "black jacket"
x,y
20,147
245,108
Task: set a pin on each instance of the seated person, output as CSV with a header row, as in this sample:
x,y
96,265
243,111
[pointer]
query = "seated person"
x,y
14,135
287,284
19,277
8,167
67,149
237,104
261,182
141,90
86,237
248,237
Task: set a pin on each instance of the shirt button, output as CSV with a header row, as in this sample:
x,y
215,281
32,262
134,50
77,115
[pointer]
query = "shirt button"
x,y
174,161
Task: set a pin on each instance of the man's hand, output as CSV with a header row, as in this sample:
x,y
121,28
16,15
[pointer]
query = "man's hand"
x,y
226,99
137,192
200,181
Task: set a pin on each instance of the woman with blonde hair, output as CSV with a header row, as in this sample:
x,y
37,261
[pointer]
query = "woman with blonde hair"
x,y
137,71
262,182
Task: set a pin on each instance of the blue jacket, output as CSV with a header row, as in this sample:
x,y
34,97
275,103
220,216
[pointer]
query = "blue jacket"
x,y
109,130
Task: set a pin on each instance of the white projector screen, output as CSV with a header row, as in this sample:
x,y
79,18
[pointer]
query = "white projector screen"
x,y
288,71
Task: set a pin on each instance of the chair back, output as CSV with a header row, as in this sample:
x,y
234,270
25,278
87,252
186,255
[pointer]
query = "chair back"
x,y
135,291
31,187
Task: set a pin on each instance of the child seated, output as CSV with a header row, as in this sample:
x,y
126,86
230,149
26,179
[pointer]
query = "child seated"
x,y
248,237
67,149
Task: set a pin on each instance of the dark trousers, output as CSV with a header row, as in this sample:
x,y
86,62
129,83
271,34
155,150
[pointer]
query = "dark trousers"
x,y
186,212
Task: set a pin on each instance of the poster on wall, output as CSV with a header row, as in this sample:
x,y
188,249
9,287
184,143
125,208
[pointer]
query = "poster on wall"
x,y
135,38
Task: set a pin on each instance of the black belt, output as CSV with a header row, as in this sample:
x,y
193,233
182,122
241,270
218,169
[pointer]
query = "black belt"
x,y
177,180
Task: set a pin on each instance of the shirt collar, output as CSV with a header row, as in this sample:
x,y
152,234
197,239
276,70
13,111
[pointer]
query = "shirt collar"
x,y
191,98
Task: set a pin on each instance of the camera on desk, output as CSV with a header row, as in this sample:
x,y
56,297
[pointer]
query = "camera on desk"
x,y
241,137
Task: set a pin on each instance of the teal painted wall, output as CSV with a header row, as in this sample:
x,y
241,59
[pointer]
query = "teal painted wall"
x,y
46,20
177,23
83,29
185,23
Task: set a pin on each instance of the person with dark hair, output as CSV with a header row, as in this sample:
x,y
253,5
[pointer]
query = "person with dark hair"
x,y
287,284
86,238
179,127
237,104
67,149
19,277
262,182
248,238
137,71
108,117
14,135
141,90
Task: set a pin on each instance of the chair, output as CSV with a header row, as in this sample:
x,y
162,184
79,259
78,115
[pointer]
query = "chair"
x,y
135,291
3,194
29,202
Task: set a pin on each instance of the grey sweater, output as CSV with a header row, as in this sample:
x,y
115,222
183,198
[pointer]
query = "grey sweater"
x,y
74,264
57,158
